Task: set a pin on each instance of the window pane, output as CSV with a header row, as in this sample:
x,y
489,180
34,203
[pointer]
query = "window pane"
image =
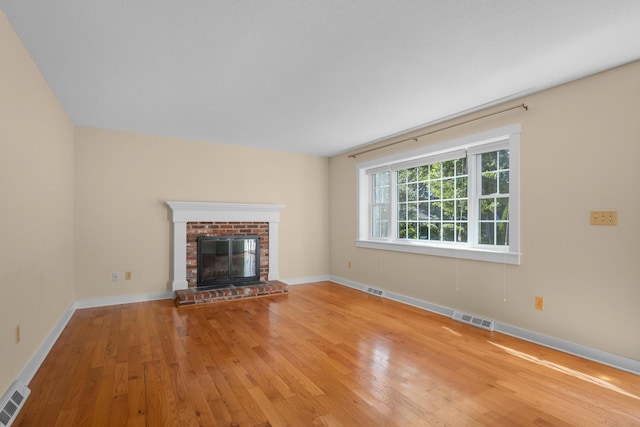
x,y
448,188
412,211
402,230
461,231
380,213
435,171
382,195
380,229
486,236
436,190
448,210
436,211
487,210
382,179
503,182
489,183
381,187
461,187
503,159
489,161
380,205
402,176
423,231
461,167
434,231
412,175
380,221
502,208
423,191
448,232
402,193
461,209
412,192
423,173
502,233
423,211
402,212
495,180
412,230
493,224
448,168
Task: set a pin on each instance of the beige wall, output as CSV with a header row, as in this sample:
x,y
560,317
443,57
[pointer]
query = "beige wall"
x,y
580,147
36,218
123,181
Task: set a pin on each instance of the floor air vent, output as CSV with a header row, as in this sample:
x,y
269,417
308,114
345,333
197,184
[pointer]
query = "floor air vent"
x,y
473,320
12,402
374,291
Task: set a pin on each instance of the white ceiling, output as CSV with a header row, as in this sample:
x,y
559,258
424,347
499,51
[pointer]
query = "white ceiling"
x,y
310,76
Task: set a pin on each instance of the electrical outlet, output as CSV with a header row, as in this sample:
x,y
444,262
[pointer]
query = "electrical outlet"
x,y
604,217
539,304
115,276
127,275
17,334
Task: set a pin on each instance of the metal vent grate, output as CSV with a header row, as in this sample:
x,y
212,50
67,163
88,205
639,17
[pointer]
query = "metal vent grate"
x,y
12,402
374,291
473,320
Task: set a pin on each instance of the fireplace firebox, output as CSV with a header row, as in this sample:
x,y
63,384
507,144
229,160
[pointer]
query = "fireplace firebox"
x,y
228,260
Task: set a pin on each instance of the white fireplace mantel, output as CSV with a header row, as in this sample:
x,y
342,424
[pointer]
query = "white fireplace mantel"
x,y
184,212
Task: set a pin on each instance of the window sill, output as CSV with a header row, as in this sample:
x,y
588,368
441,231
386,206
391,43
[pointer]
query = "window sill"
x,y
475,254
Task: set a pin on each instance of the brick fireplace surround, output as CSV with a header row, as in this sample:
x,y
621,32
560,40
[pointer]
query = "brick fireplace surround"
x,y
225,228
193,219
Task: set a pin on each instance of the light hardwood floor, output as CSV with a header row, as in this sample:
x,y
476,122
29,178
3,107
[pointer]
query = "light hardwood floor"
x,y
322,355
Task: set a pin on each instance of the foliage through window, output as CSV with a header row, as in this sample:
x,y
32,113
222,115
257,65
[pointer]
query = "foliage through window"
x,y
494,198
453,197
432,202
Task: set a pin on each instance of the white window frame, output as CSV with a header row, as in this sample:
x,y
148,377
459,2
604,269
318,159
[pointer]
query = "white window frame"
x,y
506,137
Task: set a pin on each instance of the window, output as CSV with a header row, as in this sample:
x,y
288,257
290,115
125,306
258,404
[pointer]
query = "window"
x,y
432,201
458,198
380,204
493,224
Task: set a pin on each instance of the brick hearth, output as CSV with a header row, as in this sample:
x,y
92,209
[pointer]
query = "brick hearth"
x,y
192,295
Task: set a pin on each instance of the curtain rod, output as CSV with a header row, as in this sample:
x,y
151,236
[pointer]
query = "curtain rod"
x,y
415,138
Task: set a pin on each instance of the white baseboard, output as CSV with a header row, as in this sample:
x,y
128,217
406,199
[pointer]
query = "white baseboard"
x,y
301,280
589,353
603,357
398,297
123,299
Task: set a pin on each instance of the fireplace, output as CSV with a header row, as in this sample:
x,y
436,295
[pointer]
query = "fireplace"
x,y
227,260
185,213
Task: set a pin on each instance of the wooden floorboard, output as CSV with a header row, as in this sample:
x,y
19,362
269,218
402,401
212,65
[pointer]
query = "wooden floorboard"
x,y
323,355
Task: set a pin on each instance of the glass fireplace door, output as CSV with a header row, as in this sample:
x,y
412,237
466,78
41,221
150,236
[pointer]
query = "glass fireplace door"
x,y
243,260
